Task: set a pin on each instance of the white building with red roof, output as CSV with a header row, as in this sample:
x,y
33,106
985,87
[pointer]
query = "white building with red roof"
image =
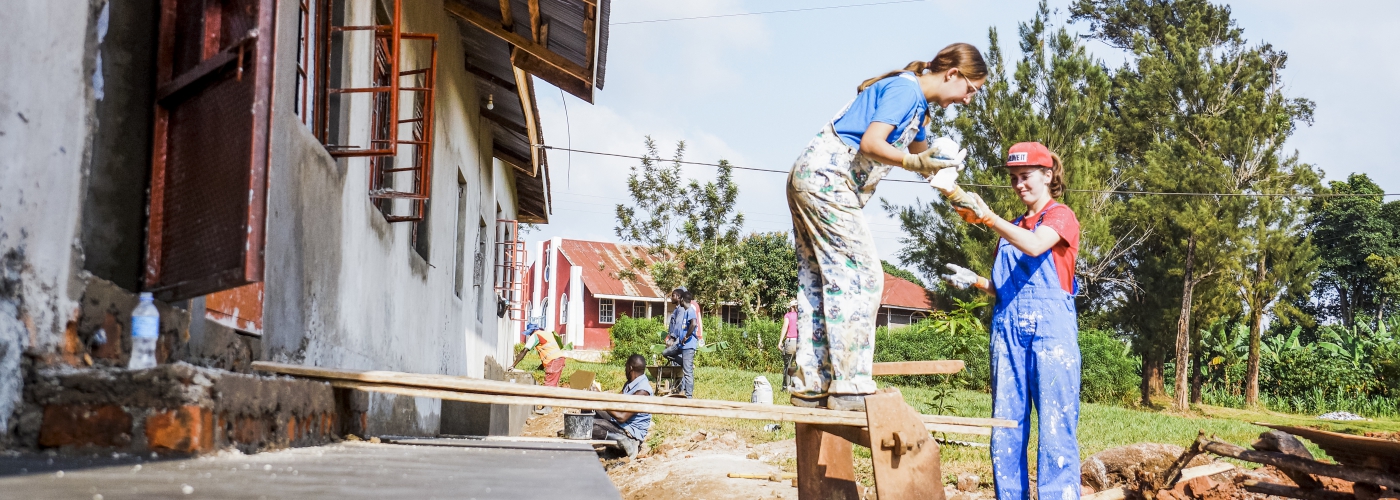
x,y
579,288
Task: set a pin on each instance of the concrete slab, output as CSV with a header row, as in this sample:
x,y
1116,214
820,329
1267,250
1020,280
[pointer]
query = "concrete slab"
x,y
343,471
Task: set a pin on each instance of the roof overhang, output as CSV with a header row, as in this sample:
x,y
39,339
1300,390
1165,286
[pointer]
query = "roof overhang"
x,y
563,42
626,297
906,308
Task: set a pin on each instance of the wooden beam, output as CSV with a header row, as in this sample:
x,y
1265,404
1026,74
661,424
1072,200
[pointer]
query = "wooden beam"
x,y
934,367
526,92
507,20
534,6
1279,490
655,405
464,384
1284,461
578,88
476,19
590,26
511,159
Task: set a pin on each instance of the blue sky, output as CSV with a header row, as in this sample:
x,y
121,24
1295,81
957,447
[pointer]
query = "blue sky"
x,y
754,89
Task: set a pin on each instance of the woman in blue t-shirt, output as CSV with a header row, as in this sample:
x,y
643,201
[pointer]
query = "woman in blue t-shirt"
x,y
839,272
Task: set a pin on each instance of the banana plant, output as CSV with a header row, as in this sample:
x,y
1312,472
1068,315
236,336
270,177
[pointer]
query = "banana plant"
x,y
1274,347
1350,344
1228,346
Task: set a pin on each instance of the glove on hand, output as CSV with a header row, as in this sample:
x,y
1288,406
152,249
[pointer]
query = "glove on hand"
x,y
962,277
971,208
941,154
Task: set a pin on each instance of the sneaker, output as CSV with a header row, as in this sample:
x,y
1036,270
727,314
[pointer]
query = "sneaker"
x,y
628,445
846,402
803,402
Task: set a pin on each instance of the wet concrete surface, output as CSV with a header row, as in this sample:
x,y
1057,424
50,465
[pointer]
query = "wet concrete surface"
x,y
341,471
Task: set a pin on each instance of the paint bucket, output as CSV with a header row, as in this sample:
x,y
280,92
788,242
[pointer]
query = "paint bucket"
x,y
578,425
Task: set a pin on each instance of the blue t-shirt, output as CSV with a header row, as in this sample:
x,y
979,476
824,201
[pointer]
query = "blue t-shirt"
x,y
640,424
896,100
680,319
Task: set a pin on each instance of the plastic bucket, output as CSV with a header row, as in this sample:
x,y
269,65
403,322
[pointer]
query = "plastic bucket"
x,y
578,425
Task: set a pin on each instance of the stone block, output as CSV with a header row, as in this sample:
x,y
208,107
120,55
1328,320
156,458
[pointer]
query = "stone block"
x,y
85,425
189,429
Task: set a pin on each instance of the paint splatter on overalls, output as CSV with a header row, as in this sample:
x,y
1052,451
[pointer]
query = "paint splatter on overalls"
x,y
1035,360
839,277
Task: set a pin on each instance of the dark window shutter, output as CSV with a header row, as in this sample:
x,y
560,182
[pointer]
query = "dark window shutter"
x,y
209,167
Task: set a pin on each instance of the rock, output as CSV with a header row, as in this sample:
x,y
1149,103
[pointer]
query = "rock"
x,y
752,456
1129,465
968,481
699,436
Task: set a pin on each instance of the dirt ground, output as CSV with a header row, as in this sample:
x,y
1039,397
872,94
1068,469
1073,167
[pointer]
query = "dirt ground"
x,y
697,465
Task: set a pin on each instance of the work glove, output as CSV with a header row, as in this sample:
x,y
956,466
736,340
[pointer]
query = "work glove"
x,y
962,277
971,207
941,153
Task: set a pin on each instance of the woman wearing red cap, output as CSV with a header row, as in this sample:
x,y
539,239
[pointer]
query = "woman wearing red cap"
x,y
1035,332
839,273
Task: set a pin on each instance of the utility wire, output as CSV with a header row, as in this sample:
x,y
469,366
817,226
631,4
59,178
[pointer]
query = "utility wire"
x,y
766,12
1100,191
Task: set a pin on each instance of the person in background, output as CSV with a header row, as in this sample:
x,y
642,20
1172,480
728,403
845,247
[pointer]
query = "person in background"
x,y
629,429
789,344
1035,328
681,341
546,344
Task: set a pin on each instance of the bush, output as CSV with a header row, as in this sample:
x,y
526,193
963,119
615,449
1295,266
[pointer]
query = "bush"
x,y
931,339
635,336
1109,372
738,346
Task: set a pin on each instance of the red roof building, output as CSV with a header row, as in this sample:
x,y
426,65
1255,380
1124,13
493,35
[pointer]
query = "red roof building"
x,y
903,303
579,288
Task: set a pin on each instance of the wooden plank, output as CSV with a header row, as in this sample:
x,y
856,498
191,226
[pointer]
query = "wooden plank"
x,y
825,466
933,367
1210,469
455,383
1284,461
652,405
488,25
905,461
1279,490
507,20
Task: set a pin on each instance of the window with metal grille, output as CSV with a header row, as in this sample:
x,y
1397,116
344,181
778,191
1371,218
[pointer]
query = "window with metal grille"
x,y
461,234
211,146
606,311
395,108
510,267
639,310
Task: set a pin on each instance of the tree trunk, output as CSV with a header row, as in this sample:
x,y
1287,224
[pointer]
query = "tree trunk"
x,y
1256,325
1153,379
1197,368
1183,330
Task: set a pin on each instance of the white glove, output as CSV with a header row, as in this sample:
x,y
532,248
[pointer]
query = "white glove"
x,y
962,277
945,180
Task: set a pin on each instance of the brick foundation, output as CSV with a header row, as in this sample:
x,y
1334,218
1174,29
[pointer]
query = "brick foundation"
x,y
180,408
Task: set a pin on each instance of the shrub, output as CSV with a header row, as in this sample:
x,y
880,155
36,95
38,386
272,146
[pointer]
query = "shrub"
x,y
737,346
635,336
1109,369
931,339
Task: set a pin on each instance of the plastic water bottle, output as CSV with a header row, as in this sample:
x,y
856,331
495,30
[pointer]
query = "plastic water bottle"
x,y
145,331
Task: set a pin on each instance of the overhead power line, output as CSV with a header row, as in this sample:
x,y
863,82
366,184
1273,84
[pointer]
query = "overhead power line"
x,y
1100,191
766,12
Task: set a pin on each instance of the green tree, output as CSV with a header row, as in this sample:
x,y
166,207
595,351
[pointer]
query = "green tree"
x,y
770,267
1347,230
1058,95
1201,111
660,207
906,275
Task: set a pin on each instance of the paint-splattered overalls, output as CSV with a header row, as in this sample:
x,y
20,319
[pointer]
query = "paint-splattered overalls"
x,y
839,277
1035,360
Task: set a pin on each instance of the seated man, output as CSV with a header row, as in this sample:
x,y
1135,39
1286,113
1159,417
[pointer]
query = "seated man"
x,y
629,429
546,345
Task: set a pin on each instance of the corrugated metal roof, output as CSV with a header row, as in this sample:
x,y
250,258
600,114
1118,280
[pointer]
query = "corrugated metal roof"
x,y
900,292
601,262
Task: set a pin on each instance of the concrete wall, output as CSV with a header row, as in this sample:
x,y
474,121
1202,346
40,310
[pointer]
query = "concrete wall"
x,y
114,210
344,287
46,115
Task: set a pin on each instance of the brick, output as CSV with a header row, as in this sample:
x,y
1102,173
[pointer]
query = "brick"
x,y
83,425
72,349
188,429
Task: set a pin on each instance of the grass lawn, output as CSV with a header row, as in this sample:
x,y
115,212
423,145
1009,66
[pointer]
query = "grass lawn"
x,y
1100,426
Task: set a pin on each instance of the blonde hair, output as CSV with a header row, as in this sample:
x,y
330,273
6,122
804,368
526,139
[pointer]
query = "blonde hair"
x,y
966,58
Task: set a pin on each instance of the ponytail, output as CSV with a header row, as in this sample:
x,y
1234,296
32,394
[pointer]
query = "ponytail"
x,y
966,58
1057,176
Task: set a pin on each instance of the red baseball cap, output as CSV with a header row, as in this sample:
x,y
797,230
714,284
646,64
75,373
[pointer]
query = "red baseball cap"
x,y
1029,154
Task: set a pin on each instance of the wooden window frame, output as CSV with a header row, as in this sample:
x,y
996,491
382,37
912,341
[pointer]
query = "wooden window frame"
x,y
611,309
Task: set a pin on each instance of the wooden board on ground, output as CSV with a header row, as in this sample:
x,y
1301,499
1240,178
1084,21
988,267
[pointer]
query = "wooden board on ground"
x,y
1350,449
905,459
546,396
934,367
